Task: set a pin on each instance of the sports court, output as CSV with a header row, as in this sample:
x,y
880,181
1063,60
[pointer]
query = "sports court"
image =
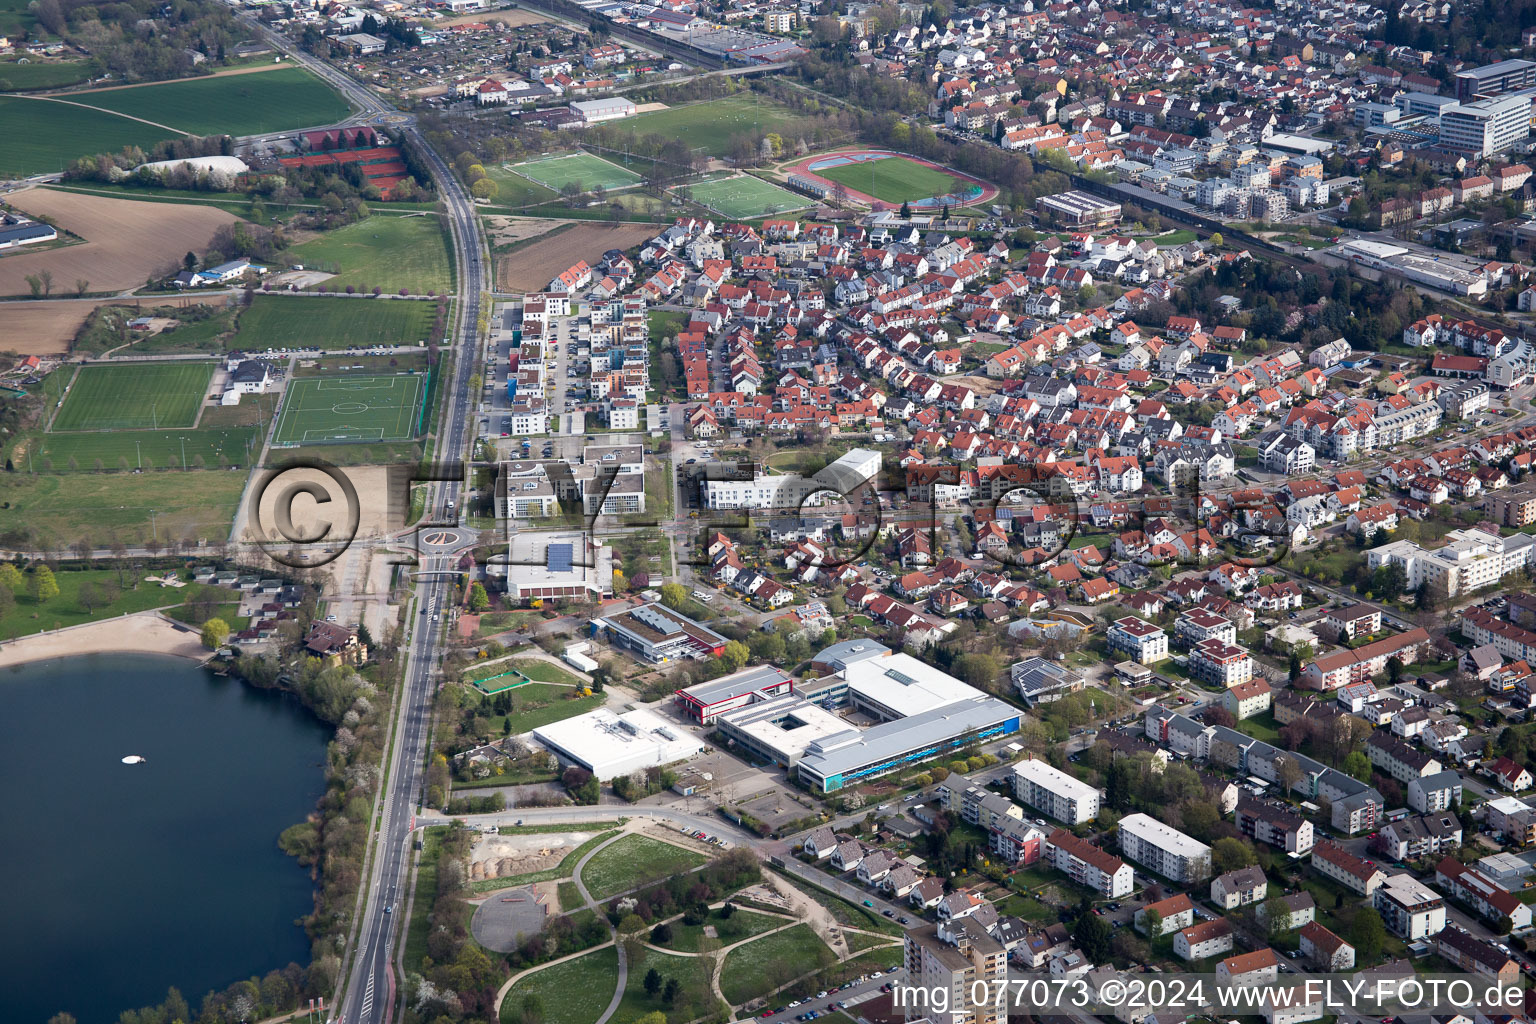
x,y
586,171
744,197
317,410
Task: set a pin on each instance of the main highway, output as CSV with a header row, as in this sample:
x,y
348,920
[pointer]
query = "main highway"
x,y
369,983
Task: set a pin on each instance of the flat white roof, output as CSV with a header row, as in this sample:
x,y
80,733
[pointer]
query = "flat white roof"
x,y
905,685
608,744
785,725
1055,780
1170,840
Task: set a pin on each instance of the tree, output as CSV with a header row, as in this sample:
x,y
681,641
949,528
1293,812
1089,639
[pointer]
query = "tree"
x,y
976,669
485,188
10,577
189,261
1216,240
652,978
1231,853
41,586
734,656
479,600
661,935
1390,581
215,633
88,596
1276,916
674,595
81,286
1366,934
906,211
1200,818
1152,923
1357,765
672,990
1092,935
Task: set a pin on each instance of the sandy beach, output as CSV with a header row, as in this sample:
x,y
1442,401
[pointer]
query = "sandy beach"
x,y
140,633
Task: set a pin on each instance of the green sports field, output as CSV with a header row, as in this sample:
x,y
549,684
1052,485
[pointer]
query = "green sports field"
x,y
583,169
144,449
134,396
248,104
384,252
318,410
745,197
41,136
712,124
893,179
274,321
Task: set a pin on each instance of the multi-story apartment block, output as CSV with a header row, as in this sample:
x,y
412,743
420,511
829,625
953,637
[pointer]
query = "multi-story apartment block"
x,y
1333,861
1055,792
958,958
1275,825
1140,640
1088,865
1165,850
1410,909
1220,663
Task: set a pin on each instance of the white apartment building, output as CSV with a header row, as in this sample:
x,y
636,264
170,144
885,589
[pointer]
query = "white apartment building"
x,y
1165,850
789,490
1409,908
1055,792
1470,561
1485,127
1139,639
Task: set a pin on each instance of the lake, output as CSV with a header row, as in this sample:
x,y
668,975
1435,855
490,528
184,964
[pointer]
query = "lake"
x,y
117,880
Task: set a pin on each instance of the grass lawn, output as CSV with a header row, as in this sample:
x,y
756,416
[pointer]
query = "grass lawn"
x,y
27,616
43,136
584,170
688,970
268,101
498,622
114,506
194,336
894,179
543,714
745,197
574,992
15,18
544,672
742,924
350,409
143,449
386,252
298,322
570,897
16,77
192,617
765,964
1261,727
134,396
712,124
426,892
844,912
632,862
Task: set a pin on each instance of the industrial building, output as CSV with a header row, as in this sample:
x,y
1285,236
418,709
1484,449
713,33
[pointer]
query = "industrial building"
x,y
610,109
1078,209
554,565
609,745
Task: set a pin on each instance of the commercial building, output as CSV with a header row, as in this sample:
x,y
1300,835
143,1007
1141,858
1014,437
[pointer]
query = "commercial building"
x,y
1495,79
610,745
1087,864
1482,128
1409,908
1055,792
706,701
656,633
851,472
1165,850
961,968
554,565
1078,209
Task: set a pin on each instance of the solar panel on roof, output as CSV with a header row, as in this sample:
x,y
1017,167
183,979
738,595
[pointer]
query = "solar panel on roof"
x,y
557,558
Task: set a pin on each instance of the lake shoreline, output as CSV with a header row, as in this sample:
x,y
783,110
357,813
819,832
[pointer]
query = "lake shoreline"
x,y
138,633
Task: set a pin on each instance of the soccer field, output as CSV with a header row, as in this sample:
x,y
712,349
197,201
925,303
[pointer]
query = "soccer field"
x,y
894,179
586,171
129,397
144,449
745,197
317,410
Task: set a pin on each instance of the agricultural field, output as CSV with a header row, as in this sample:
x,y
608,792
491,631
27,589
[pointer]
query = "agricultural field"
x,y
744,197
893,179
16,76
635,861
15,18
712,124
385,252
42,136
44,328
530,267
335,323
143,449
62,508
248,103
125,241
134,396
320,409
584,170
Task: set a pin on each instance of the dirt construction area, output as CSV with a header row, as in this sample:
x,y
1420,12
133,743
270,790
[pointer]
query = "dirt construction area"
x,y
497,856
125,241
531,267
